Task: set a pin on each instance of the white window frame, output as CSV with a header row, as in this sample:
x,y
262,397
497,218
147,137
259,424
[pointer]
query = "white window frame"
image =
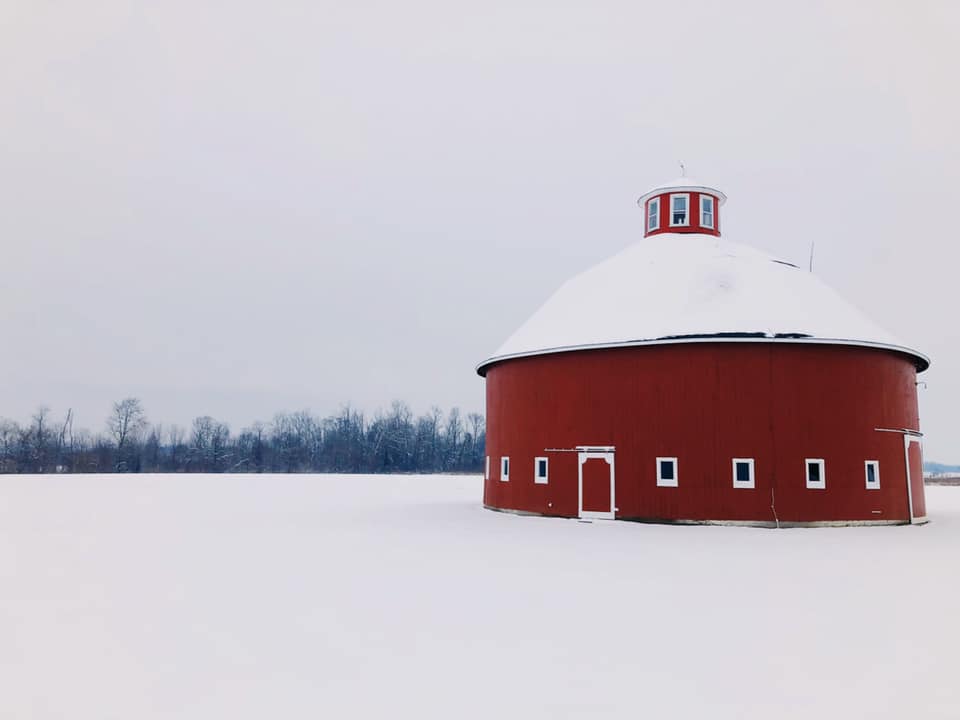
x,y
713,211
820,484
505,468
536,470
746,484
486,469
680,195
655,202
875,485
668,482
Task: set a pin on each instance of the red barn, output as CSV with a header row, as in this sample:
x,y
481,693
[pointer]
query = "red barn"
x,y
693,379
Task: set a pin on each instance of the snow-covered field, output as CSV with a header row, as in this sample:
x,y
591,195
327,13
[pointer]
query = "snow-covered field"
x,y
311,596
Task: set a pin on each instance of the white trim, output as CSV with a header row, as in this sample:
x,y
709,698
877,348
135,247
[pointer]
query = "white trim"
x,y
902,431
486,468
708,339
713,211
668,482
875,485
820,484
686,196
651,203
693,187
505,468
536,470
595,514
749,483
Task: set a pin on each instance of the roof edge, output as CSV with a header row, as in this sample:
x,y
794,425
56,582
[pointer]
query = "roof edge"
x,y
692,187
921,360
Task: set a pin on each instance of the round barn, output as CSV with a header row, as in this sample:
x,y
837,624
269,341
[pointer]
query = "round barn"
x,y
693,379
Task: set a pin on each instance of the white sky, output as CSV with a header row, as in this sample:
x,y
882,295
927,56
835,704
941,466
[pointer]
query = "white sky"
x,y
233,208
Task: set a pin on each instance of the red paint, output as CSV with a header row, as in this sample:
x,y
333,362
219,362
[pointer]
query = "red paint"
x,y
706,403
693,209
915,458
596,485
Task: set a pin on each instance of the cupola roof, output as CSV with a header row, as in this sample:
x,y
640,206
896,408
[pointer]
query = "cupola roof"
x,y
682,184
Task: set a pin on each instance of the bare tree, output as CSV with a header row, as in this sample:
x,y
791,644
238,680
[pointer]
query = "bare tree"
x,y
127,420
209,445
177,447
151,447
393,441
38,440
125,424
64,436
9,435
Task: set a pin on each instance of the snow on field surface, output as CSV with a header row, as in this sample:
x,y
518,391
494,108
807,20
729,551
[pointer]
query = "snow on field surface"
x,y
311,596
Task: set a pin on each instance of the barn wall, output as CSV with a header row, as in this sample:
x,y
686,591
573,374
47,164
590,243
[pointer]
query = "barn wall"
x,y
706,404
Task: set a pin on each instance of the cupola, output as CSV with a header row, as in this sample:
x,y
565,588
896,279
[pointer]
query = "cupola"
x,y
682,206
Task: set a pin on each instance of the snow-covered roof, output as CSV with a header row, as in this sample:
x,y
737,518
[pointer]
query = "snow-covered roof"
x,y
675,288
680,184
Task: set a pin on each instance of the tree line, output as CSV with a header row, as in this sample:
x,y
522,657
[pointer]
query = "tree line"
x,y
346,442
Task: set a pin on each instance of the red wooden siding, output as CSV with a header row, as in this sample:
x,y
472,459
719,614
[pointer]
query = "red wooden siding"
x,y
706,404
915,458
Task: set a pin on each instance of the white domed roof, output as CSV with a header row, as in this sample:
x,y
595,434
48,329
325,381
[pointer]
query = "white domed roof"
x,y
682,183
675,288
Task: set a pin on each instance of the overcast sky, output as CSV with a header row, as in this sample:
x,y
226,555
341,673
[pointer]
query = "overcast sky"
x,y
233,208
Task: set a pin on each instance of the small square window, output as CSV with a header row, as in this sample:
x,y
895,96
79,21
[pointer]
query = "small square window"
x,y
816,474
486,469
872,470
679,210
666,472
540,470
743,476
653,215
706,211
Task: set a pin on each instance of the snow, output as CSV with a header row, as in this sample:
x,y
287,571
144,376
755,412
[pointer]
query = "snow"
x,y
307,596
682,183
673,285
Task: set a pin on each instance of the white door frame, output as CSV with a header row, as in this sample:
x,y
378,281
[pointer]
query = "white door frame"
x,y
600,453
907,439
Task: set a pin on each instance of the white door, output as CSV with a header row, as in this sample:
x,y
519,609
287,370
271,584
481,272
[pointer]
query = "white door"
x,y
597,483
913,456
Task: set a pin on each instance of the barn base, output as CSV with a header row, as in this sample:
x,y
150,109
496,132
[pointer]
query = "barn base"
x,y
731,523
523,512
771,523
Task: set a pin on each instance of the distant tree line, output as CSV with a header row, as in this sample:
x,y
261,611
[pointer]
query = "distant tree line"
x,y
347,442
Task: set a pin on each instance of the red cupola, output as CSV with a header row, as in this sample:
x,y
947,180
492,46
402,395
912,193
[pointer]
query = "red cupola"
x,y
682,206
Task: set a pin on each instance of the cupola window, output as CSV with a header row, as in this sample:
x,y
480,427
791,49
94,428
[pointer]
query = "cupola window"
x,y
679,210
653,215
706,211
